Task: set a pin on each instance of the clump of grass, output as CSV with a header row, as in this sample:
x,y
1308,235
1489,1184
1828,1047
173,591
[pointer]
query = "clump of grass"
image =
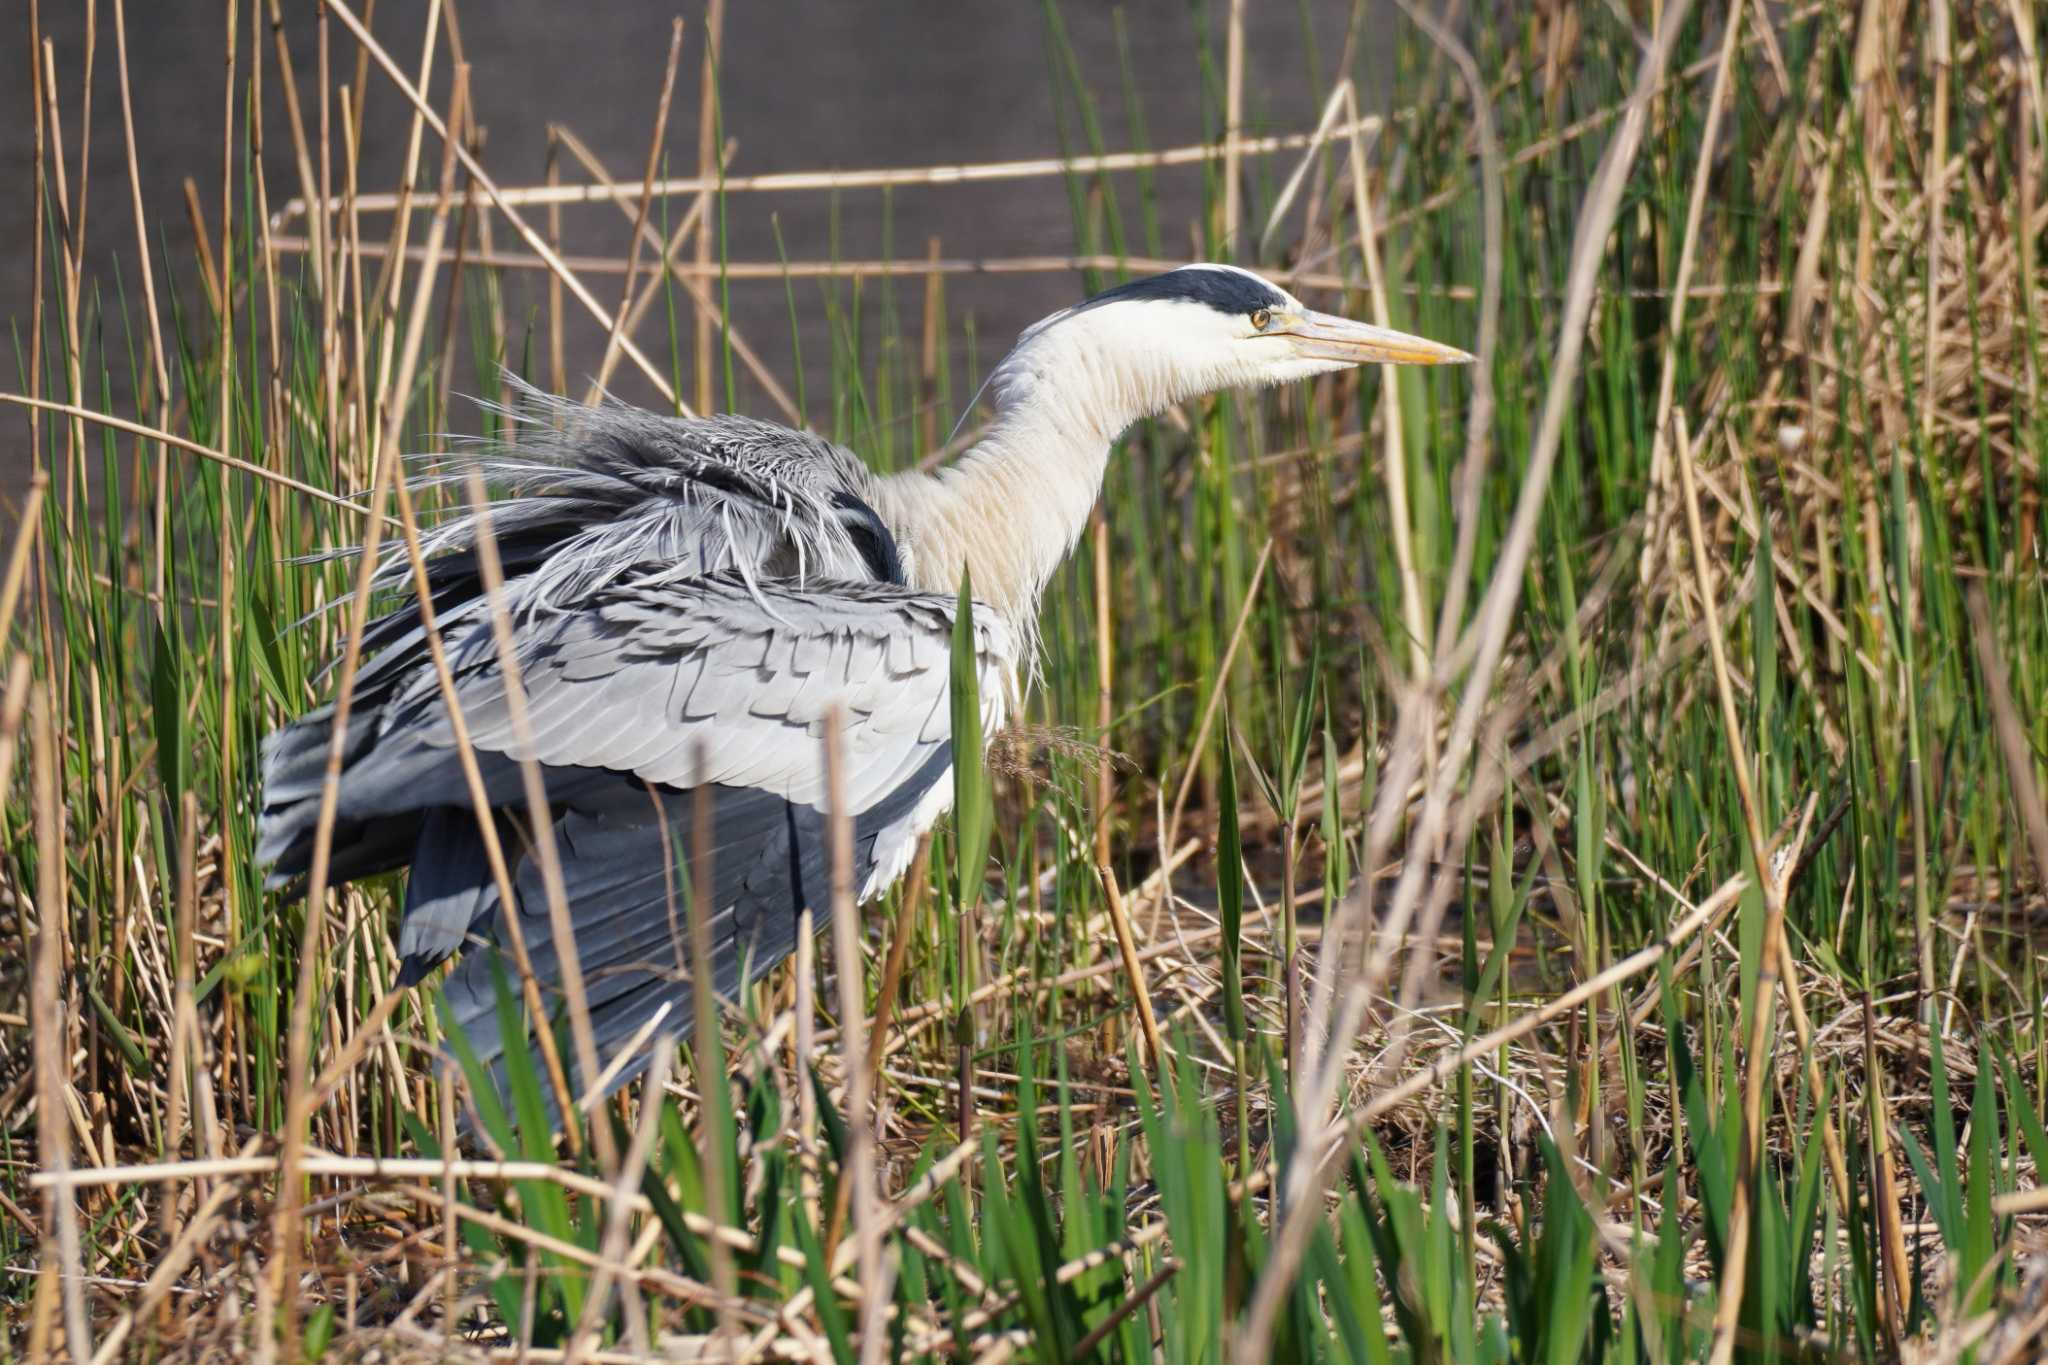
x,y
1569,886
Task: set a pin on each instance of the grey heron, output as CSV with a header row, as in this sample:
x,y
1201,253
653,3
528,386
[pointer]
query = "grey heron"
x,y
690,599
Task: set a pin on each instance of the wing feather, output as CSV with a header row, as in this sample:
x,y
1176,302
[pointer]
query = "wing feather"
x,y
647,673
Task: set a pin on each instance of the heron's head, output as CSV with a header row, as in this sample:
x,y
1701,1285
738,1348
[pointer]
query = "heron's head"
x,y
1152,342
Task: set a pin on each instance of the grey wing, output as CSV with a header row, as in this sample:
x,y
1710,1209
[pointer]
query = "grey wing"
x,y
653,676
651,691
584,497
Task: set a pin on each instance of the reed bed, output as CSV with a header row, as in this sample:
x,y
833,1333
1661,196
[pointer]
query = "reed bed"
x,y
1542,862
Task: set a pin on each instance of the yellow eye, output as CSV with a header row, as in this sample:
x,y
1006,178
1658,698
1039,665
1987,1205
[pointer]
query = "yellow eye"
x,y
1262,318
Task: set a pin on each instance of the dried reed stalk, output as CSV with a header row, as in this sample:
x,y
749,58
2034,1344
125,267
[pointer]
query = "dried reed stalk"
x,y
534,241
1667,380
686,272
540,816
52,1030
703,984
654,149
1233,127
226,547
847,965
159,368
1757,1057
1215,701
1393,449
480,802
205,452
1341,1017
972,173
1479,415
708,176
1134,971
300,1091
892,967
695,285
619,1218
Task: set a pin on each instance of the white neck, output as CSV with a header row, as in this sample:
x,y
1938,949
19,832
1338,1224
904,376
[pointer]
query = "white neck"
x,y
1011,508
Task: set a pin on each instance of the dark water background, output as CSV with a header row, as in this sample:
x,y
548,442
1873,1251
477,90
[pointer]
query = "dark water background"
x,y
807,85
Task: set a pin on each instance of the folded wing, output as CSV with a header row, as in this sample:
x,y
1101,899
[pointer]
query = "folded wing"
x,y
649,689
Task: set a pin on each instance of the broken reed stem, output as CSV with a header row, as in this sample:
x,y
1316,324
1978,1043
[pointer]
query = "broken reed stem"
x,y
1134,971
202,245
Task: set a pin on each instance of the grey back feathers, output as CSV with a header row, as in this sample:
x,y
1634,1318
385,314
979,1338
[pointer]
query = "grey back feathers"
x,y
611,487
691,599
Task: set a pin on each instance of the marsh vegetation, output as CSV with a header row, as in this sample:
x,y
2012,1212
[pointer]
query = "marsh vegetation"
x,y
1578,818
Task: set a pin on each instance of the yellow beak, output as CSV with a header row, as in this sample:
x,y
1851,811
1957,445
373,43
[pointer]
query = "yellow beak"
x,y
1325,336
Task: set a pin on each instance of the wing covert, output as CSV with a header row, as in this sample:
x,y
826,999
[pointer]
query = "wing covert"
x,y
653,678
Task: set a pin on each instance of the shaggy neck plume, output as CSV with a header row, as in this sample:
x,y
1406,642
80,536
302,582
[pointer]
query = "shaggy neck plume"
x,y
1011,508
